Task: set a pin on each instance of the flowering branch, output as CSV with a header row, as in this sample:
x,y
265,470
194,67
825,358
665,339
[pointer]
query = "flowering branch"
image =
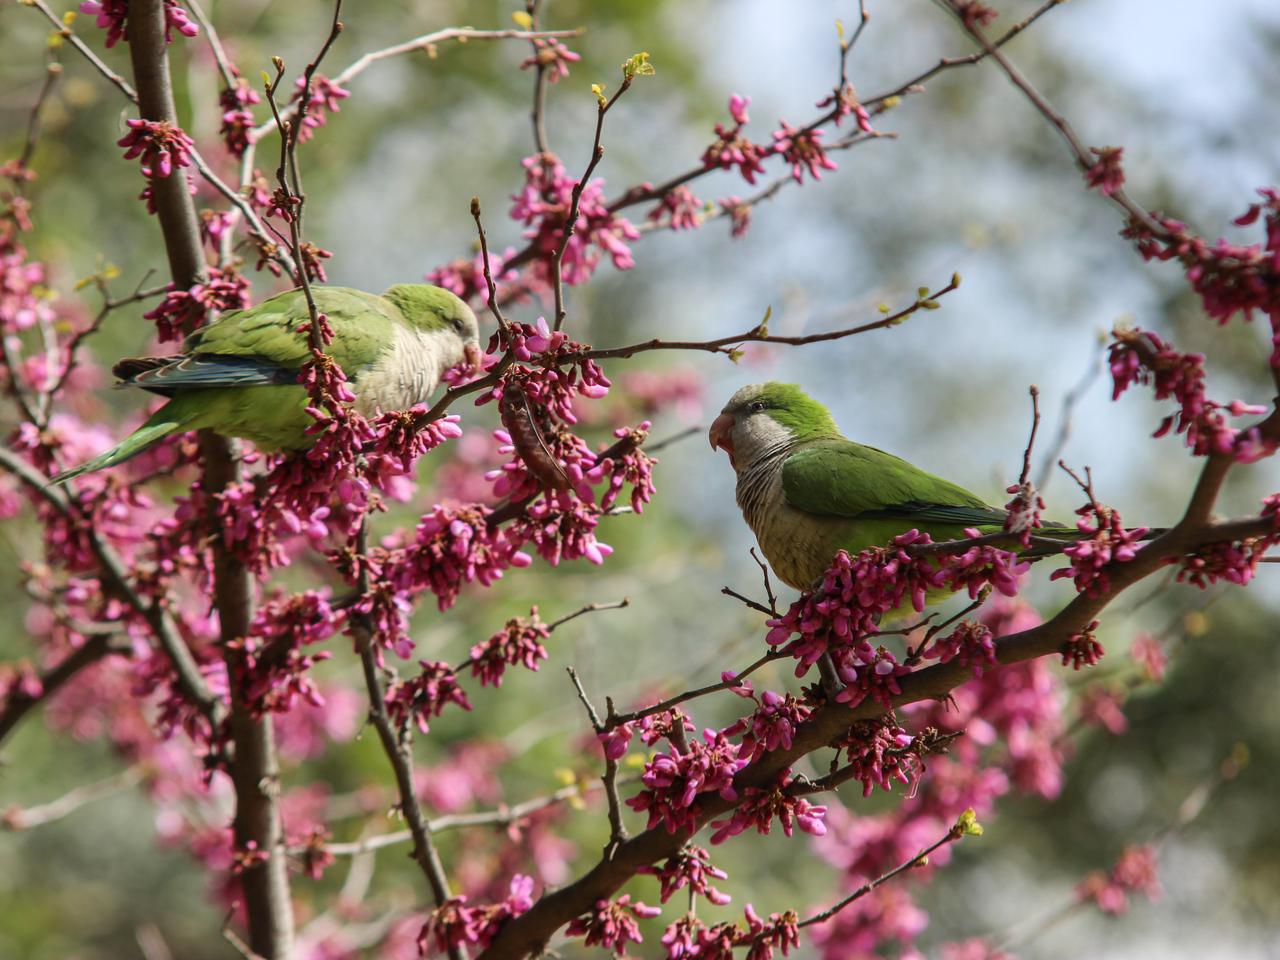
x,y
966,826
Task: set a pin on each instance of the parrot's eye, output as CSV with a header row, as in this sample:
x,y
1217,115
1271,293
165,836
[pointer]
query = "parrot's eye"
x,y
457,323
757,406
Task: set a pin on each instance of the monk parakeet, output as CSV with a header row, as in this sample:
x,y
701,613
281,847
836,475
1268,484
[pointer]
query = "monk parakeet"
x,y
807,492
238,376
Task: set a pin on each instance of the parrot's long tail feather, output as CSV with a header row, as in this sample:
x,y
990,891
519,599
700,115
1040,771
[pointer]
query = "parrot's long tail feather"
x,y
161,424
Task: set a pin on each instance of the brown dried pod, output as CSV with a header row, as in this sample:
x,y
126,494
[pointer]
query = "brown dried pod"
x,y
526,437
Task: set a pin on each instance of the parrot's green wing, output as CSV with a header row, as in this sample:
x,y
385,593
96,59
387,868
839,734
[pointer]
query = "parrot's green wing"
x,y
837,477
267,343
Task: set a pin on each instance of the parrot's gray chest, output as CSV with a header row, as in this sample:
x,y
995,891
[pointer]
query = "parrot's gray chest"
x,y
789,538
407,374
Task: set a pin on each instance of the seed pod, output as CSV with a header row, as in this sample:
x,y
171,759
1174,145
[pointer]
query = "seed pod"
x,y
526,437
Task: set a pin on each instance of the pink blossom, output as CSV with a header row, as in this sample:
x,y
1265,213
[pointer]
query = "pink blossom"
x,y
690,867
974,948
673,781
879,751
466,277
679,208
112,16
739,213
974,14
971,644
845,100
803,150
161,145
181,311
517,644
325,98
1105,542
1133,872
1102,705
543,206
1106,175
759,808
1147,652
424,696
1082,649
551,56
237,117
771,726
612,923
738,109
454,924
875,677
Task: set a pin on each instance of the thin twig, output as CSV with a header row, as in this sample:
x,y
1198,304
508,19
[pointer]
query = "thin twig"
x,y
618,719
1069,402
426,41
490,286
590,608
69,35
16,818
230,75
575,200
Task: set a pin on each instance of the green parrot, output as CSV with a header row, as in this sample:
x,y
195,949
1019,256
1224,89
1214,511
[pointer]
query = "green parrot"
x,y
808,492
238,376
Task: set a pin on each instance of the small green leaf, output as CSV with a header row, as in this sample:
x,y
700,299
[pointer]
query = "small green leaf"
x,y
522,20
762,329
637,66
968,825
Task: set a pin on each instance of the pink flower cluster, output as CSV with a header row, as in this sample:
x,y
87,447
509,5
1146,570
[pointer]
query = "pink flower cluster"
x,y
759,808
111,16
237,117
271,671
454,924
543,206
674,781
691,867
1134,872
731,149
425,696
1105,541
771,726
840,615
1235,562
181,311
1106,175
552,56
879,751
519,643
679,208
1139,356
612,923
1230,278
1082,649
161,145
466,277
802,148
971,644
324,99
688,937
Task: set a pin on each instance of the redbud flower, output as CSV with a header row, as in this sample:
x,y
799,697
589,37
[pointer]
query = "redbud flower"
x,y
552,56
160,144
690,867
612,923
1106,174
802,149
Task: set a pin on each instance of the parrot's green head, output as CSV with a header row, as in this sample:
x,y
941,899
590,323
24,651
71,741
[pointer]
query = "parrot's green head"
x,y
435,310
767,417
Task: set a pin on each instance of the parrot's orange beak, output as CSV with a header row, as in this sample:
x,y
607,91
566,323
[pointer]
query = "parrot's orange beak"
x,y
721,434
474,357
